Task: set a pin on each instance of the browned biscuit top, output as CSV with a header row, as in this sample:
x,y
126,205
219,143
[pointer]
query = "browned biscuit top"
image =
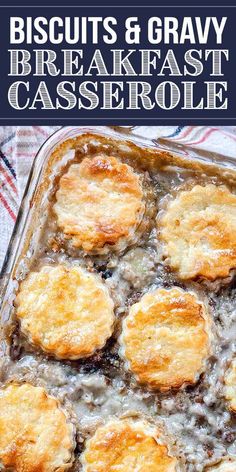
x,y
35,434
198,230
228,464
100,204
66,311
165,339
126,446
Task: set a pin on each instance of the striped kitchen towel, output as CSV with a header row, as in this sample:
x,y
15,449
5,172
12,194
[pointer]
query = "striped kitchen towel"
x,y
19,145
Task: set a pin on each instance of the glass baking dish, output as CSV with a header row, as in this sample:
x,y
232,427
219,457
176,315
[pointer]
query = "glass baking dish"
x,y
208,159
54,153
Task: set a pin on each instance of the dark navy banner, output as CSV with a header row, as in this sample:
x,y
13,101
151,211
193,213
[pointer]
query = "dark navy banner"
x,y
118,65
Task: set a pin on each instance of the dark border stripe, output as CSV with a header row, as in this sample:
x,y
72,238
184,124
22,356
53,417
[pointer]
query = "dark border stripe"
x,y
7,163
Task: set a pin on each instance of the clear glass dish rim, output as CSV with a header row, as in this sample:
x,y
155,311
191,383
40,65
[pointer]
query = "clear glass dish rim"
x,y
44,152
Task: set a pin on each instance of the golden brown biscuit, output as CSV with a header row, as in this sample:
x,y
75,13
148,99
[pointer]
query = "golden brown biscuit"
x,y
165,339
230,386
127,446
100,204
35,434
198,230
226,465
66,311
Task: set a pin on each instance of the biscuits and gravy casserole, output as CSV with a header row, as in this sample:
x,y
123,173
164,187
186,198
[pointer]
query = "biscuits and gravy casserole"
x,y
118,341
